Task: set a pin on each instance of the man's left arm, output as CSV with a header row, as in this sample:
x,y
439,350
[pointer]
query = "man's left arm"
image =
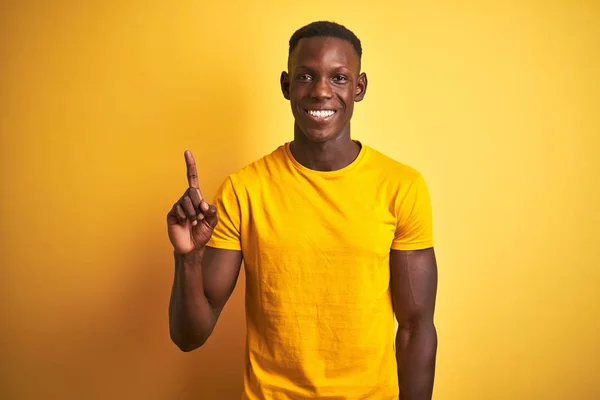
x,y
414,287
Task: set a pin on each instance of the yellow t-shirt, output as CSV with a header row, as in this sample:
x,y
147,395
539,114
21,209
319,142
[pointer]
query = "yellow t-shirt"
x,y
320,322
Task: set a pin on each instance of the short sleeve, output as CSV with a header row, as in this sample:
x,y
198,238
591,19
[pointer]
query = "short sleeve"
x,y
414,229
226,234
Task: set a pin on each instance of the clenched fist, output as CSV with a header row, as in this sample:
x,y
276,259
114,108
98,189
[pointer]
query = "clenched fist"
x,y
191,220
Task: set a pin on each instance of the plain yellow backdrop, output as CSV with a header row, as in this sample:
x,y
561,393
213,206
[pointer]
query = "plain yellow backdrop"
x,y
496,103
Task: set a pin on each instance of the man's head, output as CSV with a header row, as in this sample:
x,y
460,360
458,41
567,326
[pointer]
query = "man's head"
x,y
323,79
325,29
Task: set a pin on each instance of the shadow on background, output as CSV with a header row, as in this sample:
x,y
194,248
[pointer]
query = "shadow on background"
x,y
98,125
214,371
121,347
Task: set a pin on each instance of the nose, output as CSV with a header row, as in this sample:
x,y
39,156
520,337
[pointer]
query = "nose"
x,y
321,89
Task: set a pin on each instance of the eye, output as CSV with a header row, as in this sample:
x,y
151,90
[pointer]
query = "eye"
x,y
304,77
340,78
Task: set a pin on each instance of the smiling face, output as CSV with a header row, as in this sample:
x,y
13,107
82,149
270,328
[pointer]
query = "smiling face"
x,y
322,84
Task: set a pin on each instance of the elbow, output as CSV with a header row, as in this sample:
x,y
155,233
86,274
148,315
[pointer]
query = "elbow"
x,y
187,344
188,335
419,330
419,338
187,347
417,324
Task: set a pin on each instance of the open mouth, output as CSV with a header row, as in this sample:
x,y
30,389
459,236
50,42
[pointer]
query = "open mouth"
x,y
320,115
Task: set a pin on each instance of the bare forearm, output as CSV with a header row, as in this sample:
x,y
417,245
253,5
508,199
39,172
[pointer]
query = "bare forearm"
x,y
416,347
191,317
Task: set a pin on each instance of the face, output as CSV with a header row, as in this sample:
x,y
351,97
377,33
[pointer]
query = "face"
x,y
322,84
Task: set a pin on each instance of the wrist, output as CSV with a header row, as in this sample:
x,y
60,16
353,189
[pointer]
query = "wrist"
x,y
193,252
189,259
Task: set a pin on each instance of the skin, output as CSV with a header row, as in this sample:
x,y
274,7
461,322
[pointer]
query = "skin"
x,y
204,276
414,287
323,74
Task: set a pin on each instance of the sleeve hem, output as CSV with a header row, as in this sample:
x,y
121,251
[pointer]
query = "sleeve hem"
x,y
223,244
413,246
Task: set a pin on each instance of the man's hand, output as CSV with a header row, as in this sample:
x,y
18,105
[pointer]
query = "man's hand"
x,y
191,220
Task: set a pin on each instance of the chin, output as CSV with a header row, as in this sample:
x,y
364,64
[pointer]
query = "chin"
x,y
320,135
317,137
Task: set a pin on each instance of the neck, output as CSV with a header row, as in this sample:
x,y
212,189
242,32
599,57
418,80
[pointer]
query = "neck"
x,y
331,155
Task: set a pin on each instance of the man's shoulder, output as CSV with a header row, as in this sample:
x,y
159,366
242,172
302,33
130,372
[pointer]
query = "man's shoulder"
x,y
255,171
391,167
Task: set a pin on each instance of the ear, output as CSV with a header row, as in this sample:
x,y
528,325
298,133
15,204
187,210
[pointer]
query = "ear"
x,y
284,80
361,87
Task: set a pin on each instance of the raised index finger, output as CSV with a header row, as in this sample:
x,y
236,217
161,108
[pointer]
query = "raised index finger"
x,y
192,173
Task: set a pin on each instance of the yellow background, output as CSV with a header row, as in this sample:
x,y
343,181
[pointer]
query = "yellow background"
x,y
496,103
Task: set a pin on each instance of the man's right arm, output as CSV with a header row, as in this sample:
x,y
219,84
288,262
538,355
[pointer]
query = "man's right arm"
x,y
204,280
204,276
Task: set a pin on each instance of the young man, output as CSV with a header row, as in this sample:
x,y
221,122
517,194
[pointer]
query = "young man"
x,y
336,240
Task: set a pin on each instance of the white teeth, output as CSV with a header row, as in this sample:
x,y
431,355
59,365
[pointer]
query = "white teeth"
x,y
321,113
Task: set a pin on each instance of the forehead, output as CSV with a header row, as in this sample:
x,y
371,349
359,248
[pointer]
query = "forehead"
x,y
323,52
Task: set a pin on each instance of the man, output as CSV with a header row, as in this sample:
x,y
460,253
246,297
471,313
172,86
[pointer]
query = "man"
x,y
336,240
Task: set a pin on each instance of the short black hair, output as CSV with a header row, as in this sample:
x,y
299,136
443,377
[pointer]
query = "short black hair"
x,y
326,29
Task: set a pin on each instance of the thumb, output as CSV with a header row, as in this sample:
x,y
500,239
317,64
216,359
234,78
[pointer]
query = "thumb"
x,y
210,216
